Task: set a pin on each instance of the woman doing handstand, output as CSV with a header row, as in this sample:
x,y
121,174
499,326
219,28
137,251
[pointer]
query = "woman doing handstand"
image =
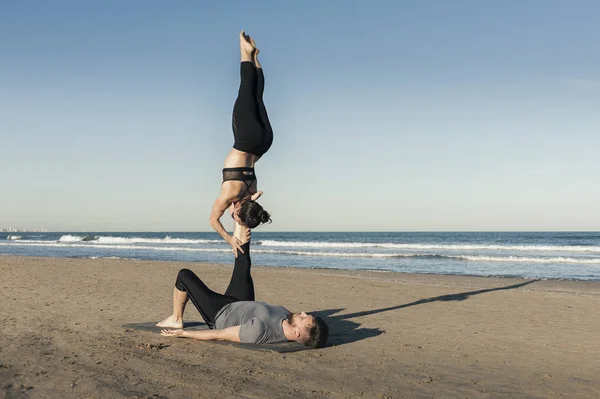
x,y
253,137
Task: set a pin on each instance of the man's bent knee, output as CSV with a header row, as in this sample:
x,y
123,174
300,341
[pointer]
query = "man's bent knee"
x,y
183,276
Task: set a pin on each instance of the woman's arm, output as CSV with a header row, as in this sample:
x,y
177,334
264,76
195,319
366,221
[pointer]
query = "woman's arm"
x,y
231,334
256,195
219,207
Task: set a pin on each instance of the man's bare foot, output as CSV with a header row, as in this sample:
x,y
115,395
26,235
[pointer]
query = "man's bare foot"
x,y
242,233
245,43
170,322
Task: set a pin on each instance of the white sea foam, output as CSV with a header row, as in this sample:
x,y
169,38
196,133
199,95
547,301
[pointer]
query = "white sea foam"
x,y
12,238
134,240
520,259
449,247
476,258
333,245
70,238
83,244
166,240
559,259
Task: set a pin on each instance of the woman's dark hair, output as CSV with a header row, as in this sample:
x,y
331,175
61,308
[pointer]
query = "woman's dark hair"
x,y
252,214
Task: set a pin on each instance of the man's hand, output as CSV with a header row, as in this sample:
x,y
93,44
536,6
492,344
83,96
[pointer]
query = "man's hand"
x,y
235,244
172,333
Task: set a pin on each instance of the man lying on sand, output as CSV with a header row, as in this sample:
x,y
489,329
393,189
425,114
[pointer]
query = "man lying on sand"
x,y
236,316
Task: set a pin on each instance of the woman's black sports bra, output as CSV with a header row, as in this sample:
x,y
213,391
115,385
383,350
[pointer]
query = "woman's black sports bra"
x,y
243,174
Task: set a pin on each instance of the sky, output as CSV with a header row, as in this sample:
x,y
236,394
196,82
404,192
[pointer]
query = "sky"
x,y
388,116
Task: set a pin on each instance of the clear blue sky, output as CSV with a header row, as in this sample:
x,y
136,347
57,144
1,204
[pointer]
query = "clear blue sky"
x,y
420,115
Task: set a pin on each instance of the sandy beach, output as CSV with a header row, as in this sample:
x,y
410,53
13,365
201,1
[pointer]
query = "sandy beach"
x,y
392,335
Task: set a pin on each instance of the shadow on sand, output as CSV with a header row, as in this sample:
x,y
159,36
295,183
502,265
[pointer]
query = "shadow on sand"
x,y
344,331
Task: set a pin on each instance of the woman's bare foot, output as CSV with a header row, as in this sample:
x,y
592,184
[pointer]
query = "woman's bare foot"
x,y
171,322
255,54
253,43
246,46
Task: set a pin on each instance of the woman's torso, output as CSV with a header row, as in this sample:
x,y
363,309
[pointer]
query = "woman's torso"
x,y
243,185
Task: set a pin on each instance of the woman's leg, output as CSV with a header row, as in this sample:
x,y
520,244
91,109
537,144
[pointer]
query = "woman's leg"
x,y
247,126
208,302
241,285
260,89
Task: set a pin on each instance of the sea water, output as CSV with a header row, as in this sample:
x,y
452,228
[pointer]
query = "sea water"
x,y
556,255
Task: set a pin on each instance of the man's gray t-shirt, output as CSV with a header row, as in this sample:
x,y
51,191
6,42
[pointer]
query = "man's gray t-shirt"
x,y
260,323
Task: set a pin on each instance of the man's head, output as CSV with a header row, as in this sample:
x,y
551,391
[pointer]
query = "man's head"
x,y
250,214
309,330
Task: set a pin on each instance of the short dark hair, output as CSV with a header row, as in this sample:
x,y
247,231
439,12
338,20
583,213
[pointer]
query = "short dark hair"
x,y
252,214
318,333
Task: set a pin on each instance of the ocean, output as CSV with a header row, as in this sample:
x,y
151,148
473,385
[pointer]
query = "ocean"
x,y
551,255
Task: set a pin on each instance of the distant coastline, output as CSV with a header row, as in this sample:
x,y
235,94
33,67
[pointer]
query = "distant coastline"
x,y
14,230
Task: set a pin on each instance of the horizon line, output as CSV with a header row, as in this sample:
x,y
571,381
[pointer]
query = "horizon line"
x,y
308,231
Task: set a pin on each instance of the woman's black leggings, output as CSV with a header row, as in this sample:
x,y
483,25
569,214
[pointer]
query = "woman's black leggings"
x,y
252,131
208,302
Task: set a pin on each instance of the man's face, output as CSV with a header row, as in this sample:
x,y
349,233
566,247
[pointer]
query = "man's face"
x,y
303,322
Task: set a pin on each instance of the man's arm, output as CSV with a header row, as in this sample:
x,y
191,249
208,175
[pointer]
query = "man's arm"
x,y
231,334
219,207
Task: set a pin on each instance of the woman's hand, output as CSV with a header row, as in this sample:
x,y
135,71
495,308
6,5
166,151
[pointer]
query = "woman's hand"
x,y
235,244
172,333
256,195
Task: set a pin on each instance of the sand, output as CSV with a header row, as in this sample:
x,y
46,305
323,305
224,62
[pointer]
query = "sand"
x,y
393,335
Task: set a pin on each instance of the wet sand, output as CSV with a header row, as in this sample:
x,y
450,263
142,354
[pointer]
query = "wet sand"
x,y
392,335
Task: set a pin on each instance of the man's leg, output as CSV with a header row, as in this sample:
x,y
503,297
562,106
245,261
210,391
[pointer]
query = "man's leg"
x,y
241,285
180,299
208,302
